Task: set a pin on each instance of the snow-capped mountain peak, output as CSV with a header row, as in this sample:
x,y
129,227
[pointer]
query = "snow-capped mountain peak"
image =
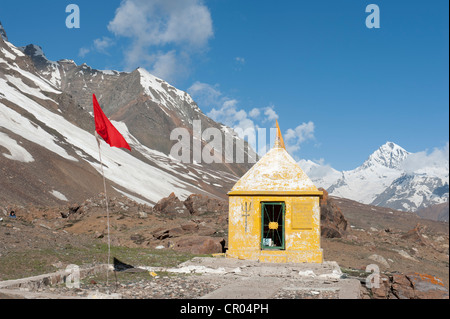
x,y
389,155
152,85
390,177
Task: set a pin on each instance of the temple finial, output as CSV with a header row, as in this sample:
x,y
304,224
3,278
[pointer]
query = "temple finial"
x,y
279,142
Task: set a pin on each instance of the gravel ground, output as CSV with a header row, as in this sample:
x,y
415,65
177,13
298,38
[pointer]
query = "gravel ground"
x,y
236,277
183,286
166,287
306,294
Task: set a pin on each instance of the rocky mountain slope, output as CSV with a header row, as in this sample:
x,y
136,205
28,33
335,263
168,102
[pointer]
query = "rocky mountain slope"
x,y
354,235
437,212
384,180
49,155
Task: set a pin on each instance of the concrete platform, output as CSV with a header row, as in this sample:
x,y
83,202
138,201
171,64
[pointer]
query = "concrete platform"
x,y
58,277
239,279
256,280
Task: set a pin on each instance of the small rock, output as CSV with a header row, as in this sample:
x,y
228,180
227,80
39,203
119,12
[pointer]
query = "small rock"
x,y
98,295
404,254
307,273
58,265
143,215
98,235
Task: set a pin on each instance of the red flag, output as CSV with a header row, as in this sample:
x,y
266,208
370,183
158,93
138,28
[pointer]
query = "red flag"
x,y
106,130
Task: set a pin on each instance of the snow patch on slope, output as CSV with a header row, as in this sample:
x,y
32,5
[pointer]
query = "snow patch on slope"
x,y
59,195
16,123
17,152
14,49
157,89
8,54
22,87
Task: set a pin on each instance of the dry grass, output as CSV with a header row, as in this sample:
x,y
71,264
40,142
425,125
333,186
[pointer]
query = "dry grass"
x,y
27,263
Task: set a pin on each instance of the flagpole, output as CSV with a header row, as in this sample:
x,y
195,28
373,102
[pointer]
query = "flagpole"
x,y
107,207
104,129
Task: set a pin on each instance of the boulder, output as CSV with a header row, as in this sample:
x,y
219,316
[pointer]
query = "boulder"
x,y
401,287
172,206
382,291
333,222
428,287
161,233
201,205
190,227
185,229
73,209
410,286
98,235
200,245
194,205
415,236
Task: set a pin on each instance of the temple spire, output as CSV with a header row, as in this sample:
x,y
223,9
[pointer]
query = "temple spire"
x,y
279,142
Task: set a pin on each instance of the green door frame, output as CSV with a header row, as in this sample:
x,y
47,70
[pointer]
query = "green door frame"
x,y
265,220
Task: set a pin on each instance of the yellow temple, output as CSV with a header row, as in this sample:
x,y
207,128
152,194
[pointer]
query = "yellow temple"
x,y
274,212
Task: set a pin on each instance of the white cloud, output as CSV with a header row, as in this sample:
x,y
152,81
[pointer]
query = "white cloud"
x,y
223,109
228,111
168,65
228,114
295,137
240,60
101,45
435,162
83,52
318,169
206,95
270,114
176,27
254,113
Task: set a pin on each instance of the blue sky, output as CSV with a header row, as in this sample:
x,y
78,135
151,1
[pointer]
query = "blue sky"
x,y
338,89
